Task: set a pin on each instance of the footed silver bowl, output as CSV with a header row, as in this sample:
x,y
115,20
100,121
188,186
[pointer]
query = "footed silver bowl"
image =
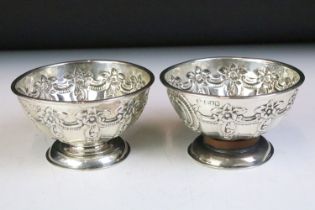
x,y
85,105
231,102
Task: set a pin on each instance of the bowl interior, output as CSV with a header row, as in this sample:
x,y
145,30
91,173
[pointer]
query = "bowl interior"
x,y
82,81
232,76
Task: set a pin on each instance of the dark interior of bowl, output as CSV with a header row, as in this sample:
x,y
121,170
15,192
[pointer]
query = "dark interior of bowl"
x,y
82,81
232,76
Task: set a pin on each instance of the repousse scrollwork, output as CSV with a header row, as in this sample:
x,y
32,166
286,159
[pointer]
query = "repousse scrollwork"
x,y
235,80
228,116
82,83
90,120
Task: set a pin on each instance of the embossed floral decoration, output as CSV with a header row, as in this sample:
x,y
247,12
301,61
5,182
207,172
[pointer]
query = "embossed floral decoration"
x,y
266,113
235,80
78,83
41,88
94,120
269,110
267,77
50,118
199,80
228,115
233,74
199,75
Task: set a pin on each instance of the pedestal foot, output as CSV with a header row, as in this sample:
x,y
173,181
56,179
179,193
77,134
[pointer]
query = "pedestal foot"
x,y
231,154
88,157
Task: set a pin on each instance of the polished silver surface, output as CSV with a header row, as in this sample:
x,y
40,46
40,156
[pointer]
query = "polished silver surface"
x,y
76,157
85,105
231,100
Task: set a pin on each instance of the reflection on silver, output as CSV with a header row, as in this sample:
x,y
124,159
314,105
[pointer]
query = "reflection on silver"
x,y
85,105
231,102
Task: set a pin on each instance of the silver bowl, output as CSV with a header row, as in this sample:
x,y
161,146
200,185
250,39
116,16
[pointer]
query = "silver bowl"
x,y
231,101
85,105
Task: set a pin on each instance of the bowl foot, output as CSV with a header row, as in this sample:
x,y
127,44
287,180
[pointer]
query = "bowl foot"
x,y
231,154
88,157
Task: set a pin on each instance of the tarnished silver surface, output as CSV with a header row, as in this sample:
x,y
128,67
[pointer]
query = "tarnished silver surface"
x,y
85,105
231,99
256,154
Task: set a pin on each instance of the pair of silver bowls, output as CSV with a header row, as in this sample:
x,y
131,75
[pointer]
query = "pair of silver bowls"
x,y
86,105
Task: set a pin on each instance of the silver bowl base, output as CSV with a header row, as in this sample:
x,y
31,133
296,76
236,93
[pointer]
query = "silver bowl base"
x,y
253,155
92,157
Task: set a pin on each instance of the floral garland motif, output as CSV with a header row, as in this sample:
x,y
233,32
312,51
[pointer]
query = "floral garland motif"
x,y
229,116
131,112
90,120
81,81
50,118
235,80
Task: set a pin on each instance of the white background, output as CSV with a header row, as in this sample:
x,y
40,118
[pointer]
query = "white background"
x,y
158,174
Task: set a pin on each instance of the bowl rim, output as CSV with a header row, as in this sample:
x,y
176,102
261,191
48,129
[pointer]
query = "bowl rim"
x,y
17,79
296,85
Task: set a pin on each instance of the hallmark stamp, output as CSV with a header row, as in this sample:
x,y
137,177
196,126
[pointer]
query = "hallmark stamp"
x,y
207,102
